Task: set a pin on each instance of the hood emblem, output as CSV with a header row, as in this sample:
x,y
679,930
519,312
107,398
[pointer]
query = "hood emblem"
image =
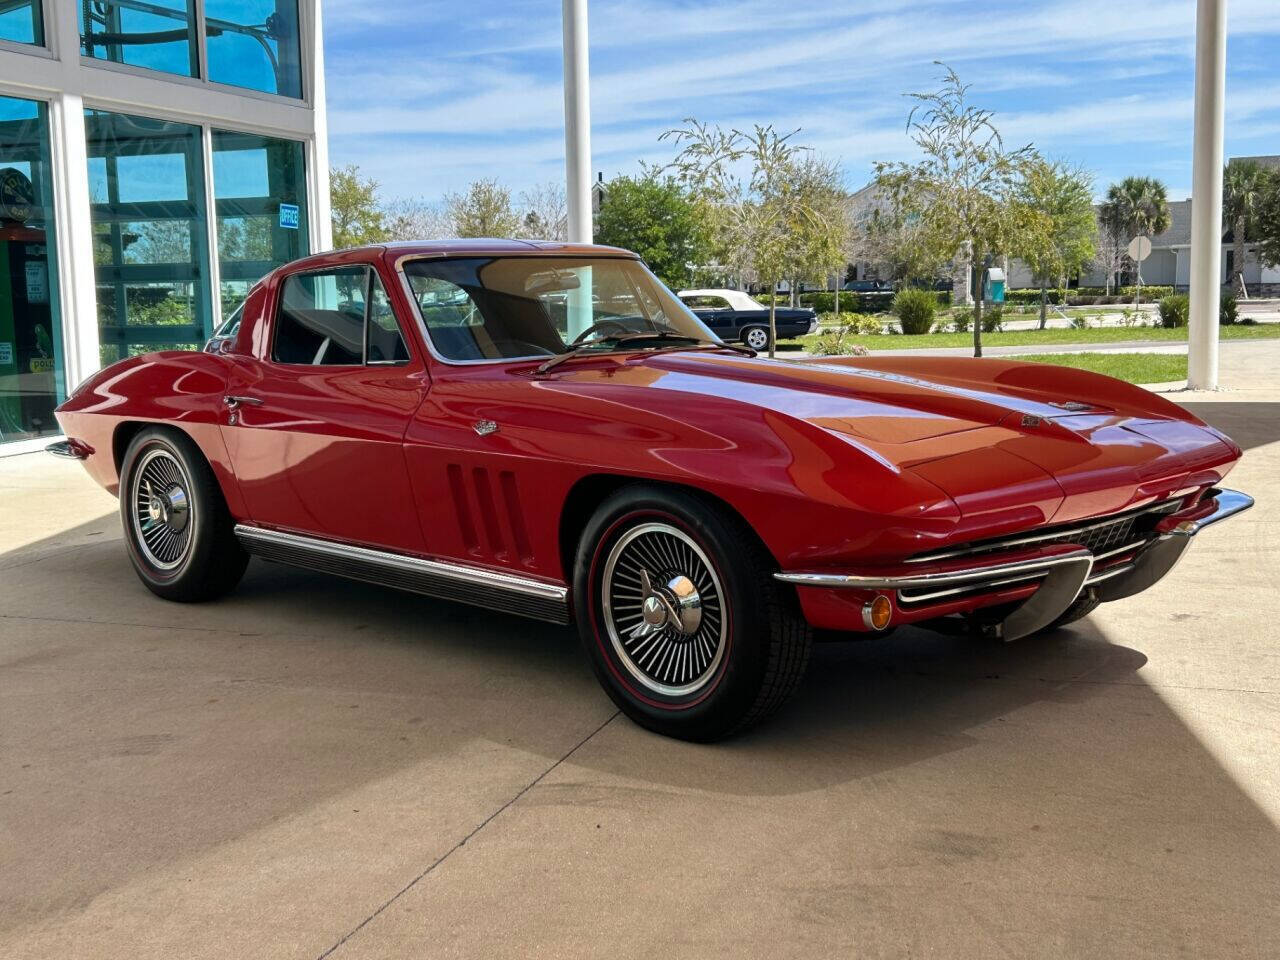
x,y
484,427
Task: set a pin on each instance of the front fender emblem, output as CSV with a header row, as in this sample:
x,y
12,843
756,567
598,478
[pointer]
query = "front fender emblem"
x,y
484,427
1029,420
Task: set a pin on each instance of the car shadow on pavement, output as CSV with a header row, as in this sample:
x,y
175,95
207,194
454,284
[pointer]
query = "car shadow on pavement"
x,y
209,722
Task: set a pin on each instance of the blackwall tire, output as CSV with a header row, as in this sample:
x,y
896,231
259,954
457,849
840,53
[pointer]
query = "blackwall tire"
x,y
720,645
178,532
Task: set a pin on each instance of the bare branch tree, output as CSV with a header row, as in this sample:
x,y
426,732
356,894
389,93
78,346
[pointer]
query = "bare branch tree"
x,y
545,213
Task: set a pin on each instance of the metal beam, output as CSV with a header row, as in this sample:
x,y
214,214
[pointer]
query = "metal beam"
x,y
1206,194
577,120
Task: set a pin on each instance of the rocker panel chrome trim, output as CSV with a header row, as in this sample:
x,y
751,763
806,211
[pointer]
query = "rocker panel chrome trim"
x,y
492,589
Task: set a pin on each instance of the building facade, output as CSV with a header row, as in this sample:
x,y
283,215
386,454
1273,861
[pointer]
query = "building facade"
x,y
156,158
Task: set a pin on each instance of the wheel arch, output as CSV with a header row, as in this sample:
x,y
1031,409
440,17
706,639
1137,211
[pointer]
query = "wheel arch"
x,y
589,492
126,430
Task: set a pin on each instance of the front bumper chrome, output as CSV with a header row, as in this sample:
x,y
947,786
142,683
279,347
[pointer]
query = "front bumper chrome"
x,y
1060,571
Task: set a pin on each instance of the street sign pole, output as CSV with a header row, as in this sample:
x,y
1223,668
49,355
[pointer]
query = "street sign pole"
x,y
1139,250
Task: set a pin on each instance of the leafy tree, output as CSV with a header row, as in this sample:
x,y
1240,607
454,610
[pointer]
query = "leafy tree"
x,y
655,217
1136,206
964,189
892,243
357,216
1063,196
1244,185
1267,231
784,221
483,211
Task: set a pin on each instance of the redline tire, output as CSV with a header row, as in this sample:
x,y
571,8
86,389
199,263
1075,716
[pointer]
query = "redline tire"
x,y
754,643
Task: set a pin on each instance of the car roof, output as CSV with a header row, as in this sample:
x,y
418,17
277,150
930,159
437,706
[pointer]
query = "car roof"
x,y
482,246
737,299
455,247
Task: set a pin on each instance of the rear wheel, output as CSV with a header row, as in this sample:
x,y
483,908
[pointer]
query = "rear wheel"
x,y
757,338
680,615
177,528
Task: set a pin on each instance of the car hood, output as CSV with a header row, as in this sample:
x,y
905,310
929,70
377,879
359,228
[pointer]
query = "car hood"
x,y
993,434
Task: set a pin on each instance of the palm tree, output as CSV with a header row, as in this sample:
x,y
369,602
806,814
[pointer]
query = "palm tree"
x,y
1137,206
1244,182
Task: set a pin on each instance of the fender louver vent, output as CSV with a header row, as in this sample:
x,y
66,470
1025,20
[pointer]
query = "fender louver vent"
x,y
490,515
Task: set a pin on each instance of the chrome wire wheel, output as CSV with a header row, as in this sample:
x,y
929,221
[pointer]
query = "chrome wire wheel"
x,y
160,497
663,607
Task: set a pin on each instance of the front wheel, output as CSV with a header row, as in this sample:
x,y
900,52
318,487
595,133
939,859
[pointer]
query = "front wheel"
x,y
757,338
180,536
681,618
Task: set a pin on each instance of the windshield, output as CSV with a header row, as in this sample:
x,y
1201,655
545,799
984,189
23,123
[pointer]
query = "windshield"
x,y
503,308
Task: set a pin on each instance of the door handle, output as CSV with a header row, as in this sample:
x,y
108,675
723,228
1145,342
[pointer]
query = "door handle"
x,y
234,402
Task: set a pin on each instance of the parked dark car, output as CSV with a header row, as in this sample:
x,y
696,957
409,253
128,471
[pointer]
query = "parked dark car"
x,y
869,286
733,315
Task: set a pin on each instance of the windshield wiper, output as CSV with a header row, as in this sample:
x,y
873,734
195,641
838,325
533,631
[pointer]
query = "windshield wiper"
x,y
618,341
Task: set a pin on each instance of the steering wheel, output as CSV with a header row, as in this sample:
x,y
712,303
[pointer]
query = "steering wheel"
x,y
598,325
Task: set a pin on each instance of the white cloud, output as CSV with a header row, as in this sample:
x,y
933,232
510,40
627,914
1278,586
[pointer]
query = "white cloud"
x,y
481,96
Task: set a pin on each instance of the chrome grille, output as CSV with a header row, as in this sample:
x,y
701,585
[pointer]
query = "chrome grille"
x,y
1105,537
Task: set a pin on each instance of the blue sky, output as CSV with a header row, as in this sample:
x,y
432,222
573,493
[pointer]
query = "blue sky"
x,y
427,95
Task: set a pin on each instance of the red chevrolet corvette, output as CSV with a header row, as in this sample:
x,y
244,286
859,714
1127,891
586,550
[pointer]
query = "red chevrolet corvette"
x,y
545,430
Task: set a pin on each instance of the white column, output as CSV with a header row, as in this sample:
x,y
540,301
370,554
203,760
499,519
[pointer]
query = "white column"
x,y
1206,194
577,120
79,298
318,147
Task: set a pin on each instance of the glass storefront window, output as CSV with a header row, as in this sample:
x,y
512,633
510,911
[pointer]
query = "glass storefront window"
x,y
255,44
156,34
21,21
261,193
31,367
146,189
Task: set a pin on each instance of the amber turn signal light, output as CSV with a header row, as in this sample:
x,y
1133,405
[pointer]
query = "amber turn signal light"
x,y
877,613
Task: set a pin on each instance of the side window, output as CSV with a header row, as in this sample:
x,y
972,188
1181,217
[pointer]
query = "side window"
x,y
386,343
320,320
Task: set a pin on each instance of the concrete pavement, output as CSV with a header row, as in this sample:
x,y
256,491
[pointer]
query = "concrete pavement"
x,y
313,768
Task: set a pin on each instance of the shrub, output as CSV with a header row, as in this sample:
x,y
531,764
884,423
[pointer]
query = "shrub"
x,y
1229,311
837,345
867,325
1174,310
1030,296
1080,322
864,325
914,309
1130,317
962,321
992,319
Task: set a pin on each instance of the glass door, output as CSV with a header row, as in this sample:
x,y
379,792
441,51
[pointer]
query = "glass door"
x,y
31,366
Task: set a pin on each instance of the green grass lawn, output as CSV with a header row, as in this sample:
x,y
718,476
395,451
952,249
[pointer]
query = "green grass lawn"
x,y
1134,367
1013,338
